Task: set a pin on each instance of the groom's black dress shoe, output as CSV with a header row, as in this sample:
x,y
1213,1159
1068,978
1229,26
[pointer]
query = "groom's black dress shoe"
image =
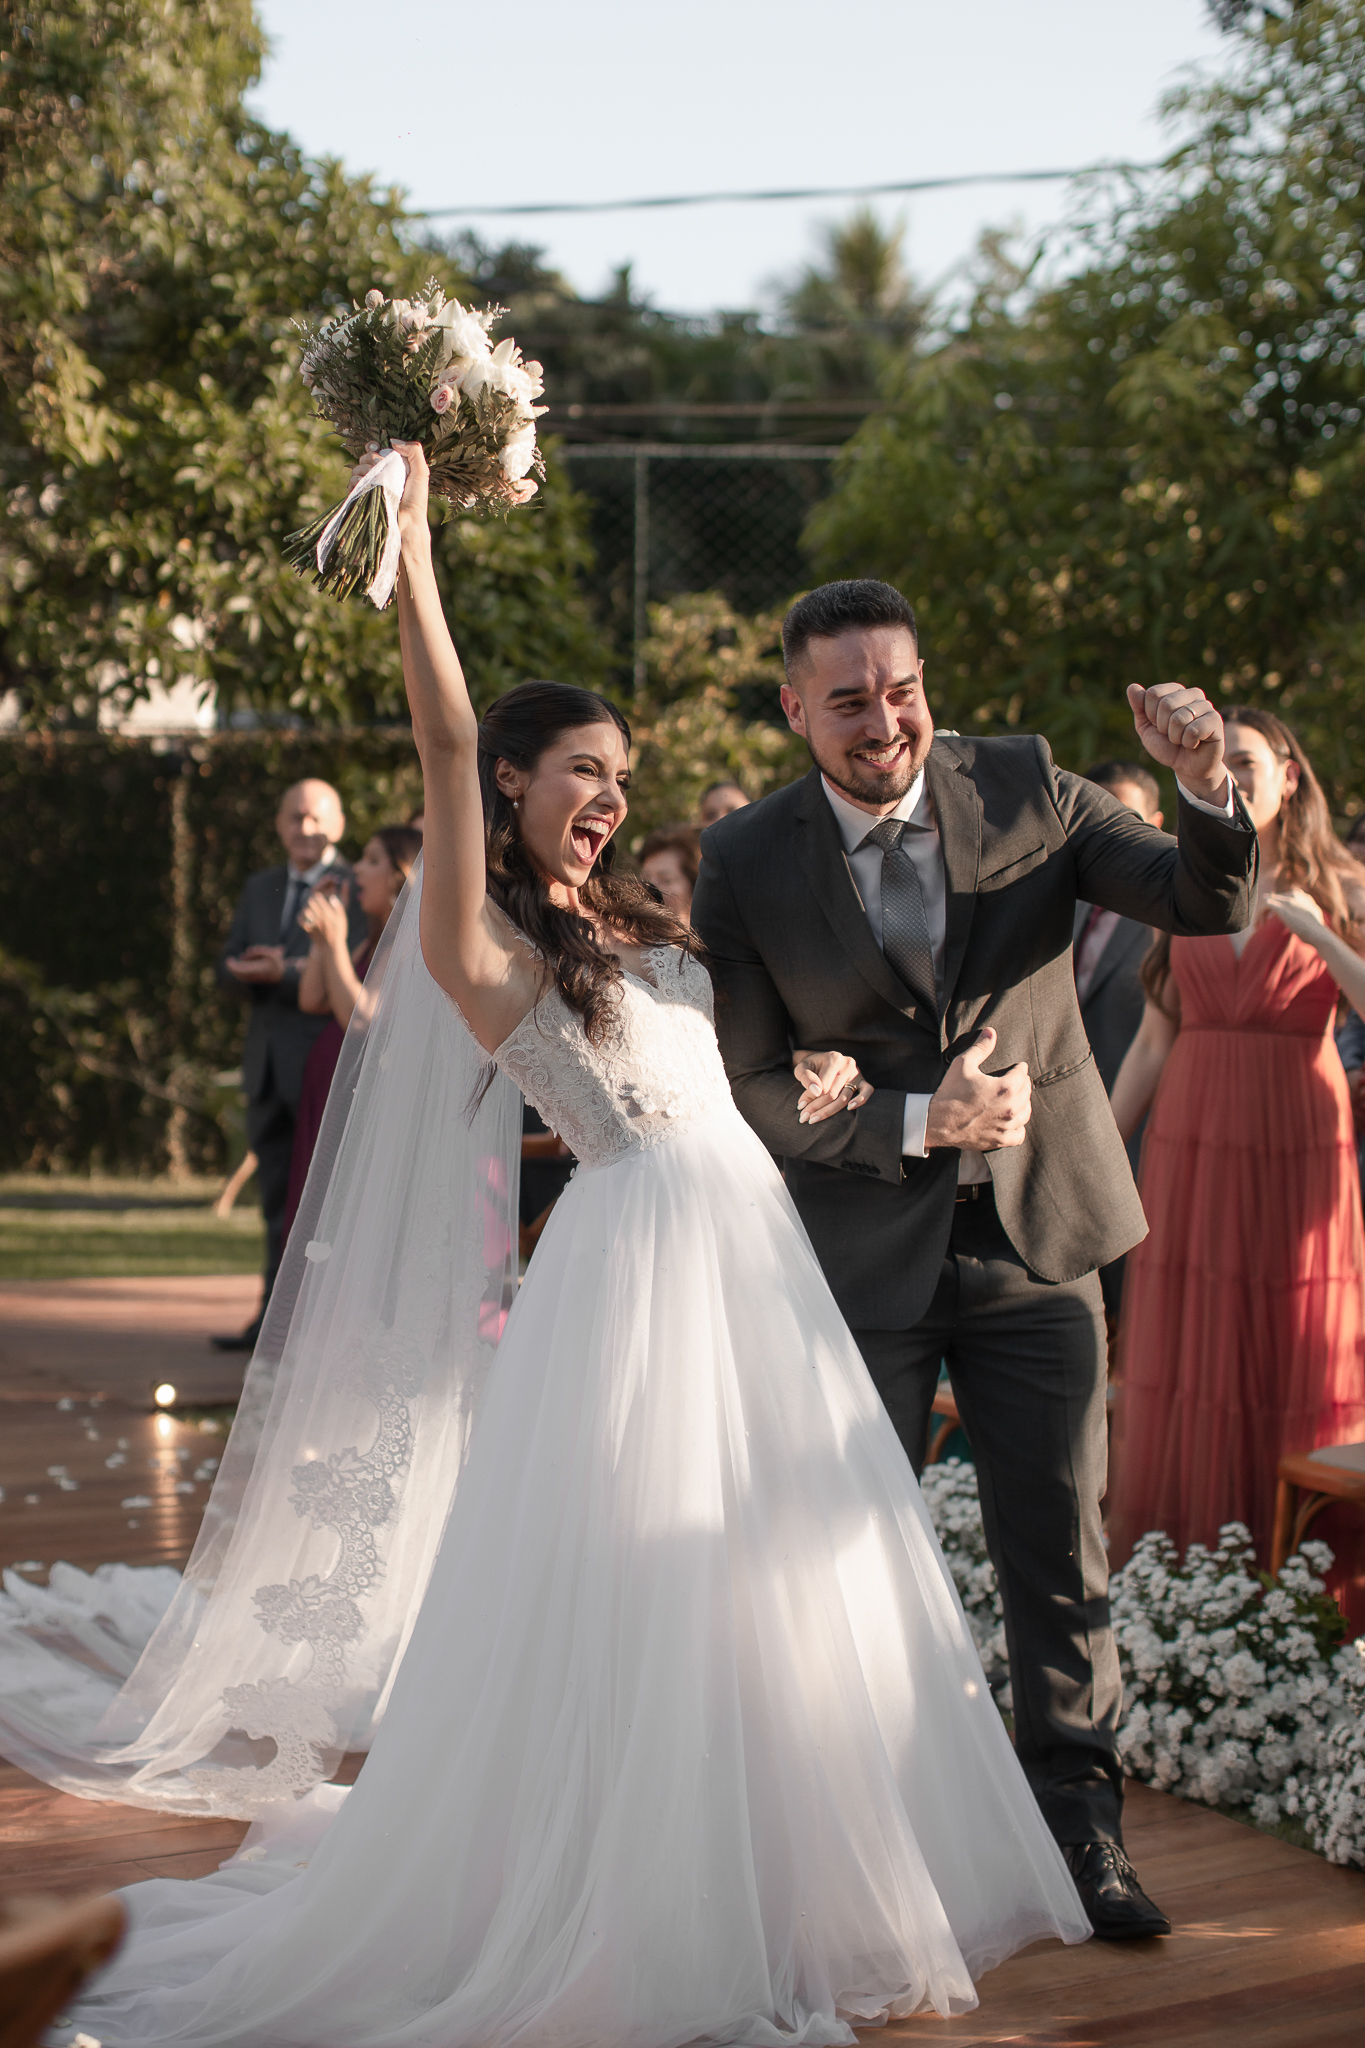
x,y
1117,1906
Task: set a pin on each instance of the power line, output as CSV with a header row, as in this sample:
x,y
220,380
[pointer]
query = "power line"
x,y
796,192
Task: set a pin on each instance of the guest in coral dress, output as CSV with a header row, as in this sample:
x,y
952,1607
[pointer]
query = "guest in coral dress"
x,y
331,979
1244,1311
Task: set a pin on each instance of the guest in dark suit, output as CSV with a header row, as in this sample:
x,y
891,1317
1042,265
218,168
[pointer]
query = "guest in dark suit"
x,y
1109,952
263,959
912,903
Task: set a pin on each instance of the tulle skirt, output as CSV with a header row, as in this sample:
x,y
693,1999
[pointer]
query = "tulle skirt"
x,y
690,1742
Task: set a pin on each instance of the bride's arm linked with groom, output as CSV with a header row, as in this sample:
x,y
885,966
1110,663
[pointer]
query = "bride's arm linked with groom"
x,y
911,904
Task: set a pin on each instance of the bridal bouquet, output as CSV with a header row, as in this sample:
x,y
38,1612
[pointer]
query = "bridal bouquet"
x,y
420,369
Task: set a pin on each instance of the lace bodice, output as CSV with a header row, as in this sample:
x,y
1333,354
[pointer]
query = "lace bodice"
x,y
658,1072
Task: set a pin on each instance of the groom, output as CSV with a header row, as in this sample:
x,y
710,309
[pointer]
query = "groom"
x,y
912,902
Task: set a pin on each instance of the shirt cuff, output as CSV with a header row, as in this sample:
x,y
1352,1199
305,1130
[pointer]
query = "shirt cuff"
x,y
915,1127
1227,809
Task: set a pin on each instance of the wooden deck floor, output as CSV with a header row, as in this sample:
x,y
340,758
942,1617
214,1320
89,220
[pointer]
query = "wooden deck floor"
x,y
1269,1943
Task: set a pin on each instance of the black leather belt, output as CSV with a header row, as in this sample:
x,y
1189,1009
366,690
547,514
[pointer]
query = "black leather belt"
x,y
975,1191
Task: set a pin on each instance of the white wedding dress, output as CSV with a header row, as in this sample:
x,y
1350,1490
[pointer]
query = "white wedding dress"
x,y
689,1742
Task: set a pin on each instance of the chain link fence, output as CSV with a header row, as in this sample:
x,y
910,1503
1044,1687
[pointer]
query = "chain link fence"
x,y
670,518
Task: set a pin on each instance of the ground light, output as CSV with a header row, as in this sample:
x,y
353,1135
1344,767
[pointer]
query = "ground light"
x,y
164,1395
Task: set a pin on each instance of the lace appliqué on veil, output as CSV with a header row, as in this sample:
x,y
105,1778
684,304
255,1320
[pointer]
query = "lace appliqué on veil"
x,y
350,1496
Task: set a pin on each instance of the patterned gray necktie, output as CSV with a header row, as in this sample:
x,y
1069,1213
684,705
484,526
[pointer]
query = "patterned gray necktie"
x,y
905,928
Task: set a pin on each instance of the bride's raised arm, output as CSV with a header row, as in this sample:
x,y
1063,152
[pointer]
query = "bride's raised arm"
x,y
466,943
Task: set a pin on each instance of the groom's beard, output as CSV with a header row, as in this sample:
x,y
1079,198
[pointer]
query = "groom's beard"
x,y
867,783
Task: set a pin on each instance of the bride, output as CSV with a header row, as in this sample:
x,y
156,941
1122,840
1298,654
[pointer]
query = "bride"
x,y
688,1741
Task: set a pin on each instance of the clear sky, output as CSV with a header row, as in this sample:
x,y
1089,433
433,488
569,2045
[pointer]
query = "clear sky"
x,y
475,106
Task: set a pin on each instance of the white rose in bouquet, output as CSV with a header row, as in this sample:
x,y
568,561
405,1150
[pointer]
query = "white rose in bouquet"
x,y
503,372
464,333
519,452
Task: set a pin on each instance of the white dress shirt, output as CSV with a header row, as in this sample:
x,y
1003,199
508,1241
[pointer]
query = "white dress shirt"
x,y
925,849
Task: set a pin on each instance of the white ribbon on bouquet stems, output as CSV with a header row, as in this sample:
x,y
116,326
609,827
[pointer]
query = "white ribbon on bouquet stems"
x,y
389,475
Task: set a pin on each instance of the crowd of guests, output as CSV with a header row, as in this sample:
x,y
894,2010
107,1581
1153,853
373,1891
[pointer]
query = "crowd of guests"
x,y
1237,1325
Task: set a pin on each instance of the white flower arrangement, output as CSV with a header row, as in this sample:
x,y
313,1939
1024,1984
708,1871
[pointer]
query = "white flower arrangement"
x,y
955,1510
425,370
1236,1689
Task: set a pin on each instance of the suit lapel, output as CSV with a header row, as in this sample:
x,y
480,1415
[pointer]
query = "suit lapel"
x,y
822,855
957,806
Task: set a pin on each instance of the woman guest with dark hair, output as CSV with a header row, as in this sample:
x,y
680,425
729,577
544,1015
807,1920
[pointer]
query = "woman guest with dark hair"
x,y
332,977
719,800
670,861
1243,1319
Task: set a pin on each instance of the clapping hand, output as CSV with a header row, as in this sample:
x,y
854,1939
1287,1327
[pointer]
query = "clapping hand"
x,y
1181,729
1296,908
259,964
830,1082
323,917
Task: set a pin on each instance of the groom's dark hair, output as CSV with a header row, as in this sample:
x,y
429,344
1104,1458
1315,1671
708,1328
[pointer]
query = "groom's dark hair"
x,y
850,606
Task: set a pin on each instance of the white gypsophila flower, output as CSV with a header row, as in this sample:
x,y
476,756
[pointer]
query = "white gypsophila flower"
x,y
1231,1694
950,1495
1331,1800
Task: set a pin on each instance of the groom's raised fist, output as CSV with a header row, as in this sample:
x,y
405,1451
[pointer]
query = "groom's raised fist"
x,y
976,1112
1180,729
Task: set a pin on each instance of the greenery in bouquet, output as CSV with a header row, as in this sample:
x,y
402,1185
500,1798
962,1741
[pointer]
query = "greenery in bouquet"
x,y
420,369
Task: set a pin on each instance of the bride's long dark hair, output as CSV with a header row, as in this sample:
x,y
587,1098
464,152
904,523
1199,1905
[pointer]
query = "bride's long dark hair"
x,y
518,728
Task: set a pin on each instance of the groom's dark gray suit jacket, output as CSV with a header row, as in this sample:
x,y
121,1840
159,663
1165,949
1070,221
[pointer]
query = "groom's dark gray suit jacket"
x,y
795,963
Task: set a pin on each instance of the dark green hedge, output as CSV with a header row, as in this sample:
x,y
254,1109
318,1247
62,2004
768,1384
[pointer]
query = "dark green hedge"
x,y
120,863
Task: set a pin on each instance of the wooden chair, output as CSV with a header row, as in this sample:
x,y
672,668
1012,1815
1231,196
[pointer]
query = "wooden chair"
x,y
1308,1482
945,1407
48,1947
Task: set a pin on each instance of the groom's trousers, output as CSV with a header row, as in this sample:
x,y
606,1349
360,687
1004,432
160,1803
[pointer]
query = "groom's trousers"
x,y
1028,1367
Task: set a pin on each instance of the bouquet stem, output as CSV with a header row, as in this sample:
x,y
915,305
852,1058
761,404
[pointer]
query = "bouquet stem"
x,y
354,561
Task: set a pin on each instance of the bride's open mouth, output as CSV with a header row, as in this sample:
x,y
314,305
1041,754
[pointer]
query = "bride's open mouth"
x,y
588,836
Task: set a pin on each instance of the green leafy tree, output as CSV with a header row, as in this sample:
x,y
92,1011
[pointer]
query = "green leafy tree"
x,y
1151,471
846,320
833,332
709,711
155,442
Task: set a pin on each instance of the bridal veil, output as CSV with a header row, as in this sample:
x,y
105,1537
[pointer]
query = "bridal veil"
x,y
274,1653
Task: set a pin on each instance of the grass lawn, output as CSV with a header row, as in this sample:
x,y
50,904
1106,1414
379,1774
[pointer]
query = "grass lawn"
x,y
120,1229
